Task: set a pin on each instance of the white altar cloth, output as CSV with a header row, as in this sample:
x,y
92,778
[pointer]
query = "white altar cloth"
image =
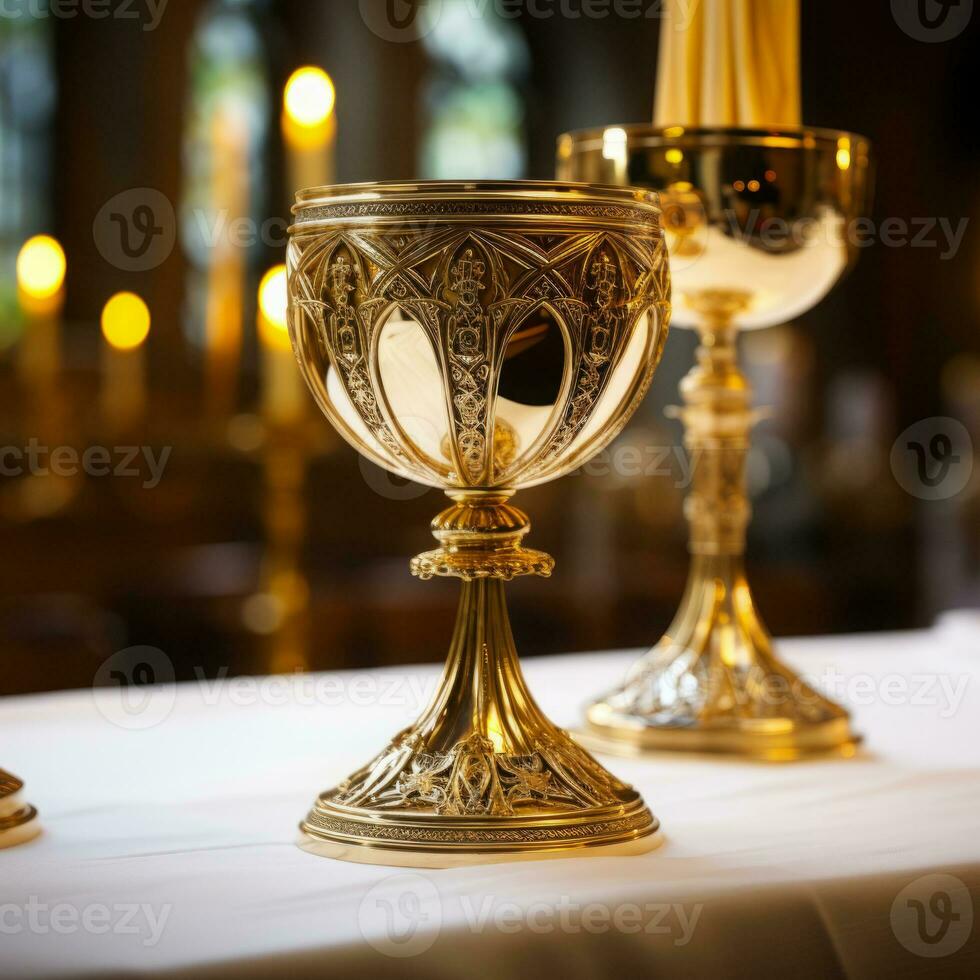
x,y
169,837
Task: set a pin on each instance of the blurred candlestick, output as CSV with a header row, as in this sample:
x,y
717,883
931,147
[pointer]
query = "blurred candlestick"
x,y
125,327
40,288
309,127
283,400
226,271
279,609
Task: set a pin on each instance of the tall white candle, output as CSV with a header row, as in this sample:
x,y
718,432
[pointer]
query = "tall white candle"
x,y
729,63
125,327
283,398
309,127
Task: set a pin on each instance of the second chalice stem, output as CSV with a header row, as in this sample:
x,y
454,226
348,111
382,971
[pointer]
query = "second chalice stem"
x,y
717,619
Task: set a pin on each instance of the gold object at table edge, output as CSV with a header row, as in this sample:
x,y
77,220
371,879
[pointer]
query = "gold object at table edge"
x,y
713,682
482,775
18,820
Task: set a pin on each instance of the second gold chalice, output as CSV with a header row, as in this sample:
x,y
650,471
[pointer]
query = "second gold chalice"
x,y
478,337
760,226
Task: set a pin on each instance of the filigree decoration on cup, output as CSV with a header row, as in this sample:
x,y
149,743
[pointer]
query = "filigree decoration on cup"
x,y
470,289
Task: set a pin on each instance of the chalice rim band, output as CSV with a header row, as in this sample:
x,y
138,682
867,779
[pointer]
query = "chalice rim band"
x,y
639,134
470,199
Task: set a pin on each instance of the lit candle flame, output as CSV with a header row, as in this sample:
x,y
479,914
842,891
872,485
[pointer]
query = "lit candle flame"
x,y
40,267
125,321
272,307
309,97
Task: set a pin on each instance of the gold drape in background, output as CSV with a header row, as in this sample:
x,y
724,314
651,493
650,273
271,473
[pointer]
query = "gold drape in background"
x,y
729,63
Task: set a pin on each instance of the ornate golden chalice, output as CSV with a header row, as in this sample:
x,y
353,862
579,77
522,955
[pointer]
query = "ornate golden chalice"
x,y
759,227
408,304
18,820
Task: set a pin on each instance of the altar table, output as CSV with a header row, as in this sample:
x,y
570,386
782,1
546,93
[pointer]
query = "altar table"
x,y
170,828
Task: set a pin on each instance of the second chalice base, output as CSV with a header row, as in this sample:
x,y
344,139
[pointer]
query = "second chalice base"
x,y
713,684
483,776
18,820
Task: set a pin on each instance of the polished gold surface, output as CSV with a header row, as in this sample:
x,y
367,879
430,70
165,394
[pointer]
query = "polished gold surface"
x,y
760,226
18,820
415,310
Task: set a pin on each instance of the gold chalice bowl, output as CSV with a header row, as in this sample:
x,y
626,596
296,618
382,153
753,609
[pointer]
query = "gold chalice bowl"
x,y
760,226
478,337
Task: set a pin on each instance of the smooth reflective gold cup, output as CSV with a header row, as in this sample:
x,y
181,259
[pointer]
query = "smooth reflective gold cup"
x,y
760,226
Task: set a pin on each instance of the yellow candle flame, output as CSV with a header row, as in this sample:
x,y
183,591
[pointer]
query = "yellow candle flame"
x,y
125,321
40,267
309,97
272,307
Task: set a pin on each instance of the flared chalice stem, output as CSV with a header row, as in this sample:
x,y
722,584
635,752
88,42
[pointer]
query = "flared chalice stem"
x,y
482,773
713,683
18,820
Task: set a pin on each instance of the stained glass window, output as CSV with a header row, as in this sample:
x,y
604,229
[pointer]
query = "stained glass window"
x,y
473,100
27,102
226,139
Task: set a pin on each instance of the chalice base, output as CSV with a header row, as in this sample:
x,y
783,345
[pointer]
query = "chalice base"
x,y
713,684
18,820
483,776
439,842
